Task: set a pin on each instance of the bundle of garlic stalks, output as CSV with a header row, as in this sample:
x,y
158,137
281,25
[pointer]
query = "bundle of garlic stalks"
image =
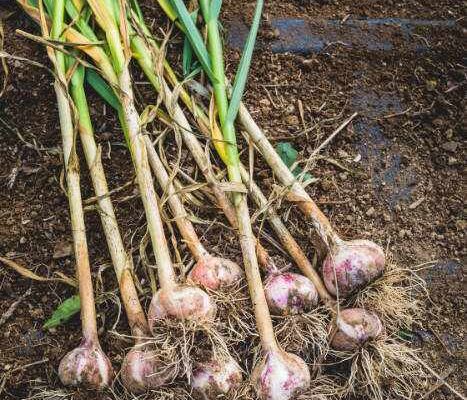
x,y
272,328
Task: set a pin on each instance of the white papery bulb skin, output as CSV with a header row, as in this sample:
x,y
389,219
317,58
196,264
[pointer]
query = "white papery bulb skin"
x,y
280,376
216,377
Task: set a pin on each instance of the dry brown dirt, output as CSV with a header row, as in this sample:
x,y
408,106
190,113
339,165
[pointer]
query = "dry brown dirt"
x,y
395,174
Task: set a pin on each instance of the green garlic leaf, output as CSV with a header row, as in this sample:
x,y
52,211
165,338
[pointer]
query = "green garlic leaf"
x,y
405,334
289,155
64,312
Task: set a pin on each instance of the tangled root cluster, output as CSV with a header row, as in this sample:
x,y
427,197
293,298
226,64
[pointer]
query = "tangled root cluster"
x,y
181,340
304,334
322,387
235,315
177,391
396,297
385,368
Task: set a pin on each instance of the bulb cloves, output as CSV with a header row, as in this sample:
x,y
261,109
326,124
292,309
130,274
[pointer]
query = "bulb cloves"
x,y
215,273
182,302
280,376
143,369
216,377
355,326
289,293
352,265
86,366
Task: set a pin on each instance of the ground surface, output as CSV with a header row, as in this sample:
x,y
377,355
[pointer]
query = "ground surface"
x,y
395,174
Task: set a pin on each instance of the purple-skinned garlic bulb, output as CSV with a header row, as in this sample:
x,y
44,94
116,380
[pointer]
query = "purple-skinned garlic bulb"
x,y
355,326
183,302
86,366
289,293
215,272
352,265
215,377
280,376
143,370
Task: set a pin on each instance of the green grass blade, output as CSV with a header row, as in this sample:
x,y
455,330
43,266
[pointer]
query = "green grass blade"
x,y
114,8
204,5
187,59
105,91
244,66
195,71
168,9
80,21
187,56
77,78
195,38
215,9
56,32
137,9
102,88
48,5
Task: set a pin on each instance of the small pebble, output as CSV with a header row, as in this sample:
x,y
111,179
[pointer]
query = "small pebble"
x,y
416,203
326,184
62,249
37,313
431,84
290,109
450,146
370,211
402,233
438,122
342,153
292,120
106,135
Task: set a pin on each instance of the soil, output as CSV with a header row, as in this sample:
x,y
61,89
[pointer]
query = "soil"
x,y
394,174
